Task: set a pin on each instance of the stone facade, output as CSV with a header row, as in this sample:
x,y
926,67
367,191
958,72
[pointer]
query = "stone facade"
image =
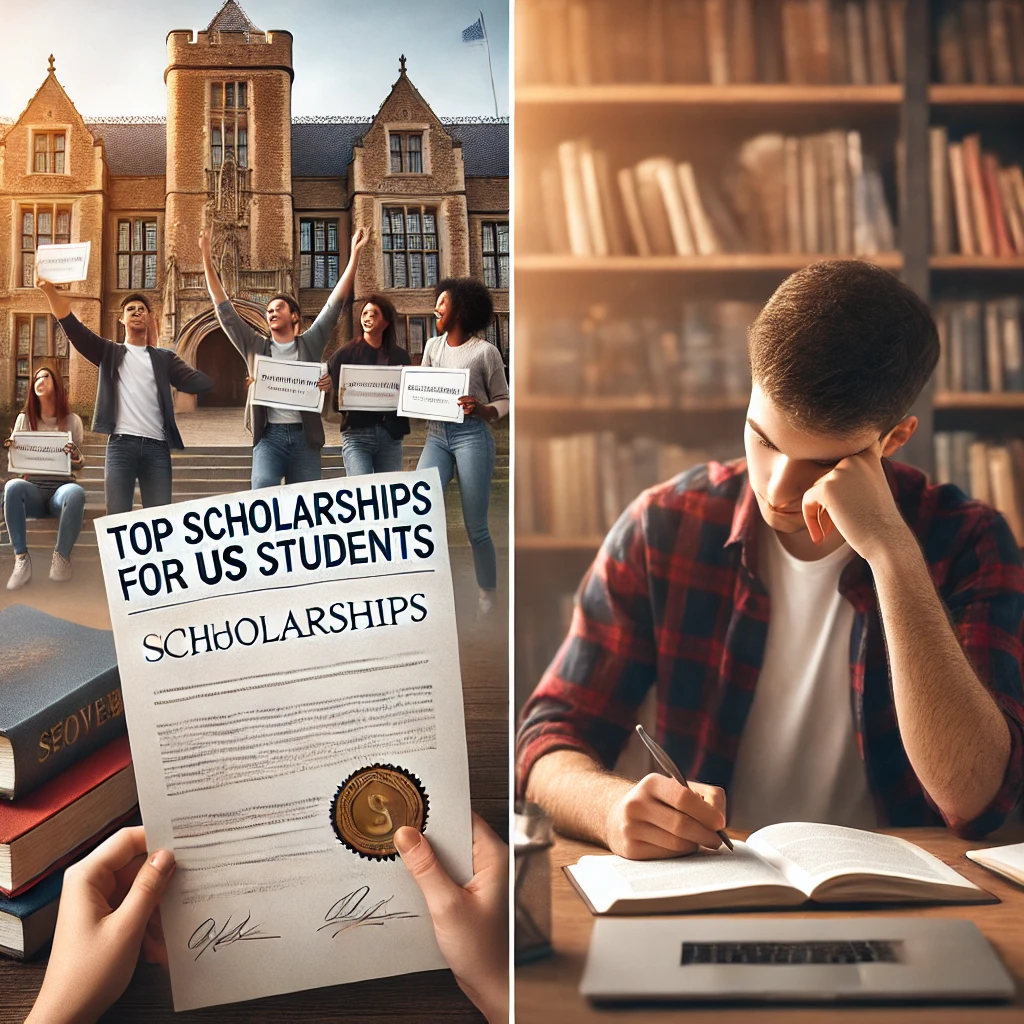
x,y
234,162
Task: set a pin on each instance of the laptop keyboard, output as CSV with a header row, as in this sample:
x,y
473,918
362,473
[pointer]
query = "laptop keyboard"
x,y
869,952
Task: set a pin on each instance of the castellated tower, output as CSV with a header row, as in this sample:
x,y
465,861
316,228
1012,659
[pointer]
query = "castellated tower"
x,y
228,160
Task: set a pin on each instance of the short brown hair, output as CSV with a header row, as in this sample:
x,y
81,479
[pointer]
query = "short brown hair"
x,y
843,345
292,303
136,297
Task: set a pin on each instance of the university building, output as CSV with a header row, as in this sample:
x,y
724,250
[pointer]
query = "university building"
x,y
282,196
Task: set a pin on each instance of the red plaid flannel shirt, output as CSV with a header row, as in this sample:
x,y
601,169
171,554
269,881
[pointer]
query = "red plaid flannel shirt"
x,y
672,600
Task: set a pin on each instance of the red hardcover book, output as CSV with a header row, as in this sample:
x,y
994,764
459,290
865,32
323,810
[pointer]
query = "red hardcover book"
x,y
50,825
994,197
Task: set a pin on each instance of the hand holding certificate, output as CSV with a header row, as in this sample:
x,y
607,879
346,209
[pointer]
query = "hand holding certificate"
x,y
61,264
369,388
432,393
39,453
288,384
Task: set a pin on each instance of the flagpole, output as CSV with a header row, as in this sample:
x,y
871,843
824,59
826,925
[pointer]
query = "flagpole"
x,y
487,44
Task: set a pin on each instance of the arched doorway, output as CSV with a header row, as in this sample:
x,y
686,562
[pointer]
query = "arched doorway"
x,y
220,360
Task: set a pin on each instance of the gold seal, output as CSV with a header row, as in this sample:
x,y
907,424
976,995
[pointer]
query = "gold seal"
x,y
372,803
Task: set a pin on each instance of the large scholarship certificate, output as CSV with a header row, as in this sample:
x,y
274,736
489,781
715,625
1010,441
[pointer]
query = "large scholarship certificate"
x,y
432,393
368,388
287,384
290,671
63,263
39,452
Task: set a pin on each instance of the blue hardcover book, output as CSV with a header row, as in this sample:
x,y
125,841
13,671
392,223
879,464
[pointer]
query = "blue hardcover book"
x,y
27,921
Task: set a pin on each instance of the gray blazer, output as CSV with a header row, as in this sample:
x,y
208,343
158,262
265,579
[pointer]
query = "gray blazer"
x,y
309,349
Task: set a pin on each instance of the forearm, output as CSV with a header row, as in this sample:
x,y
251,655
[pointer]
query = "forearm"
x,y
345,287
59,304
952,729
576,793
213,285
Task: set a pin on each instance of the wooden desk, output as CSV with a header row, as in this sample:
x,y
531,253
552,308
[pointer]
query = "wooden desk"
x,y
549,990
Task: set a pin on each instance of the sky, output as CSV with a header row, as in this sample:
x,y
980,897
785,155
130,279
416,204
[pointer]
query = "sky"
x,y
110,54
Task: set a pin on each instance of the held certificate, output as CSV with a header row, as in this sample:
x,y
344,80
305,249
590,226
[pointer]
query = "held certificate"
x,y
432,393
369,388
61,264
39,452
287,384
290,671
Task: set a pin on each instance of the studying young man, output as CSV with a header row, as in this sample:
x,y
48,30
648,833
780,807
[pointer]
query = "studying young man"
x,y
286,443
830,637
133,399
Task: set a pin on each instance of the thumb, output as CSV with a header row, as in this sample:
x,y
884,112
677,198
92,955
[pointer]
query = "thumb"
x,y
146,892
425,868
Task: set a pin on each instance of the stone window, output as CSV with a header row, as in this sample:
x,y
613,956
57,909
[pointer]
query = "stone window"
x,y
136,253
497,334
495,250
417,331
409,242
41,224
48,152
229,123
406,152
319,262
38,341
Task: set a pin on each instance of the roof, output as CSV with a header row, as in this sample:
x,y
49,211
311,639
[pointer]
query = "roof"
x,y
231,18
321,147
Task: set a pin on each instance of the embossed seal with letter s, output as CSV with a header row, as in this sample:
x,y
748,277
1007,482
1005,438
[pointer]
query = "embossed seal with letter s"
x,y
372,803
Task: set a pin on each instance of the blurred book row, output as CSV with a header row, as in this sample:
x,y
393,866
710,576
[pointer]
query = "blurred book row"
x,y
701,352
810,194
982,346
977,205
723,42
66,778
578,485
980,42
991,471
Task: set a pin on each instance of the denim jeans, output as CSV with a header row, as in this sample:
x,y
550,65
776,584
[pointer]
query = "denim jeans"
x,y
470,447
370,450
25,500
130,458
282,452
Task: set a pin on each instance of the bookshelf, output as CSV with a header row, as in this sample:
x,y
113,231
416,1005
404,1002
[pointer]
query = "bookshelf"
x,y
645,113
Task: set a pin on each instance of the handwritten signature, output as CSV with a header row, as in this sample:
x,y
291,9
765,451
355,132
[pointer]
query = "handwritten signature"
x,y
357,909
209,936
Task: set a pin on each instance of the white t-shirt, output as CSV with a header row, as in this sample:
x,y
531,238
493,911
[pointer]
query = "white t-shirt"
x,y
798,758
290,352
138,404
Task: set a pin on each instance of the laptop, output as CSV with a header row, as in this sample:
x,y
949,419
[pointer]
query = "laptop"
x,y
814,959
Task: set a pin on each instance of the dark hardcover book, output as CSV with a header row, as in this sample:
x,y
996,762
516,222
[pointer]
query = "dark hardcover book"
x,y
60,696
27,921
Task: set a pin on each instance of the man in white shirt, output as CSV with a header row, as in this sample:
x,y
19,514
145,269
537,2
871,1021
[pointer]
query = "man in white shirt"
x,y
134,404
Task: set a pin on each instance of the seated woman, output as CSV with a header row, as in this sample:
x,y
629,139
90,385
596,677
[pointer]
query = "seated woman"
x,y
46,408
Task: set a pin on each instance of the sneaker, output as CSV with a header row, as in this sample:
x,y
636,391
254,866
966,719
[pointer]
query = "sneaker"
x,y
22,572
60,568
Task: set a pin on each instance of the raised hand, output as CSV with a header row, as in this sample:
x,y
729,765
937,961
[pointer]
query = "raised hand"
x,y
359,239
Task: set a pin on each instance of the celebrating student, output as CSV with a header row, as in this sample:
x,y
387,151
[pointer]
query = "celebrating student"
x,y
463,309
286,443
133,399
46,408
831,638
371,442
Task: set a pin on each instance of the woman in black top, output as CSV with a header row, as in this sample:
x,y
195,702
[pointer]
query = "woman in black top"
x,y
371,442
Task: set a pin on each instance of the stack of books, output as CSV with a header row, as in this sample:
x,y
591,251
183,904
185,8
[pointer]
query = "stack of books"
x,y
722,42
982,346
977,205
812,194
66,778
990,471
981,42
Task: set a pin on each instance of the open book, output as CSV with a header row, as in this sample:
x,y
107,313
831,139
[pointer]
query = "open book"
x,y
780,865
1007,861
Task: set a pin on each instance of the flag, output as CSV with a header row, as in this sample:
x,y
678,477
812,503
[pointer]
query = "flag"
x,y
475,32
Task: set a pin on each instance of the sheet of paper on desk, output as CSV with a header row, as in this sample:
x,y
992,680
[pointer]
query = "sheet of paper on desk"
x,y
1007,861
276,647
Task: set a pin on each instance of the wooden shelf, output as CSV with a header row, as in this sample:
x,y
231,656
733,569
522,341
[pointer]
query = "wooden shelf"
x,y
973,95
706,95
979,400
612,405
545,542
976,262
723,263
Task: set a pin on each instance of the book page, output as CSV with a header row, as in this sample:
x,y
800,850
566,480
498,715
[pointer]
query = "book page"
x,y
809,854
290,670
1006,860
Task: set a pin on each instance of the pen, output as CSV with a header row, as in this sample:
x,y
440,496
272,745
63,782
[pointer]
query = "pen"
x,y
669,766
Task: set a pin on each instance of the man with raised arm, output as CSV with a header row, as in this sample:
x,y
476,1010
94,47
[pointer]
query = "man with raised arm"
x,y
134,404
830,637
286,444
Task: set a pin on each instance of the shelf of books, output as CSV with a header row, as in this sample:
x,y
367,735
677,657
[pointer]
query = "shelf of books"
x,y
675,160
